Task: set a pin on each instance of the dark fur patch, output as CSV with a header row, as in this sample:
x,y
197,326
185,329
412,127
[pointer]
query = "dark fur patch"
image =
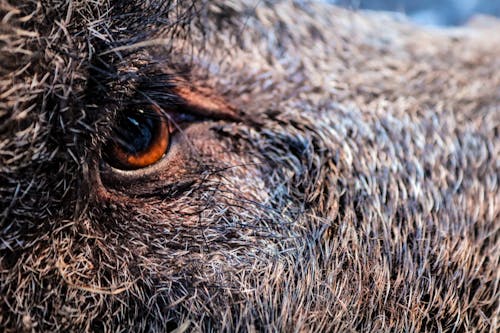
x,y
354,186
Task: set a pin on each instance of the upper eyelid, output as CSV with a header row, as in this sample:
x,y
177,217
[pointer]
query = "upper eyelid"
x,y
154,82
188,98
206,102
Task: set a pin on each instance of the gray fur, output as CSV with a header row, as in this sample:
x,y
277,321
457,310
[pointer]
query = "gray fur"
x,y
358,188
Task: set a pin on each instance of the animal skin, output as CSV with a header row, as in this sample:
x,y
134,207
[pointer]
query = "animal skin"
x,y
331,170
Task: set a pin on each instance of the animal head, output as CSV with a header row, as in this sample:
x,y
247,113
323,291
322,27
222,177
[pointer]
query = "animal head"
x,y
245,165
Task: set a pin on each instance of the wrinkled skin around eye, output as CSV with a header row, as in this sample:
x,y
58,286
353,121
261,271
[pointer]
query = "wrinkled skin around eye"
x,y
332,171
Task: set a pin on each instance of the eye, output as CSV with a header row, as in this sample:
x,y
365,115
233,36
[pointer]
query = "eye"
x,y
139,139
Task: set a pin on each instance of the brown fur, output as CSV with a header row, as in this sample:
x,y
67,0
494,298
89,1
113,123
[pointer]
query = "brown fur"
x,y
351,182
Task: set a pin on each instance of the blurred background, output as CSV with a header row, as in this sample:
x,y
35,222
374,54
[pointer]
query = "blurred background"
x,y
429,12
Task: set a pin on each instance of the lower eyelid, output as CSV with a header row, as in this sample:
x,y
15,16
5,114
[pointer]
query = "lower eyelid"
x,y
170,164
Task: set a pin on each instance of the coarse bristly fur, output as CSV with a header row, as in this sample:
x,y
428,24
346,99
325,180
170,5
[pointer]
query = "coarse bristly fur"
x,y
355,186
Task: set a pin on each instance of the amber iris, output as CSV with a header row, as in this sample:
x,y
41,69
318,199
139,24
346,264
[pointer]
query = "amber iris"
x,y
141,138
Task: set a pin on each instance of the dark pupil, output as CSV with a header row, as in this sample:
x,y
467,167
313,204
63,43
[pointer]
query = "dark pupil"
x,y
135,132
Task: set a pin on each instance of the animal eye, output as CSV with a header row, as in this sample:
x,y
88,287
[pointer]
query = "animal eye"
x,y
139,139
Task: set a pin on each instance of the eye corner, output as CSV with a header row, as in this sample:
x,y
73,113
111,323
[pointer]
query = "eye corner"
x,y
143,131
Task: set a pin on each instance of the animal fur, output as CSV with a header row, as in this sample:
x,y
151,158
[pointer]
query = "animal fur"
x,y
356,186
